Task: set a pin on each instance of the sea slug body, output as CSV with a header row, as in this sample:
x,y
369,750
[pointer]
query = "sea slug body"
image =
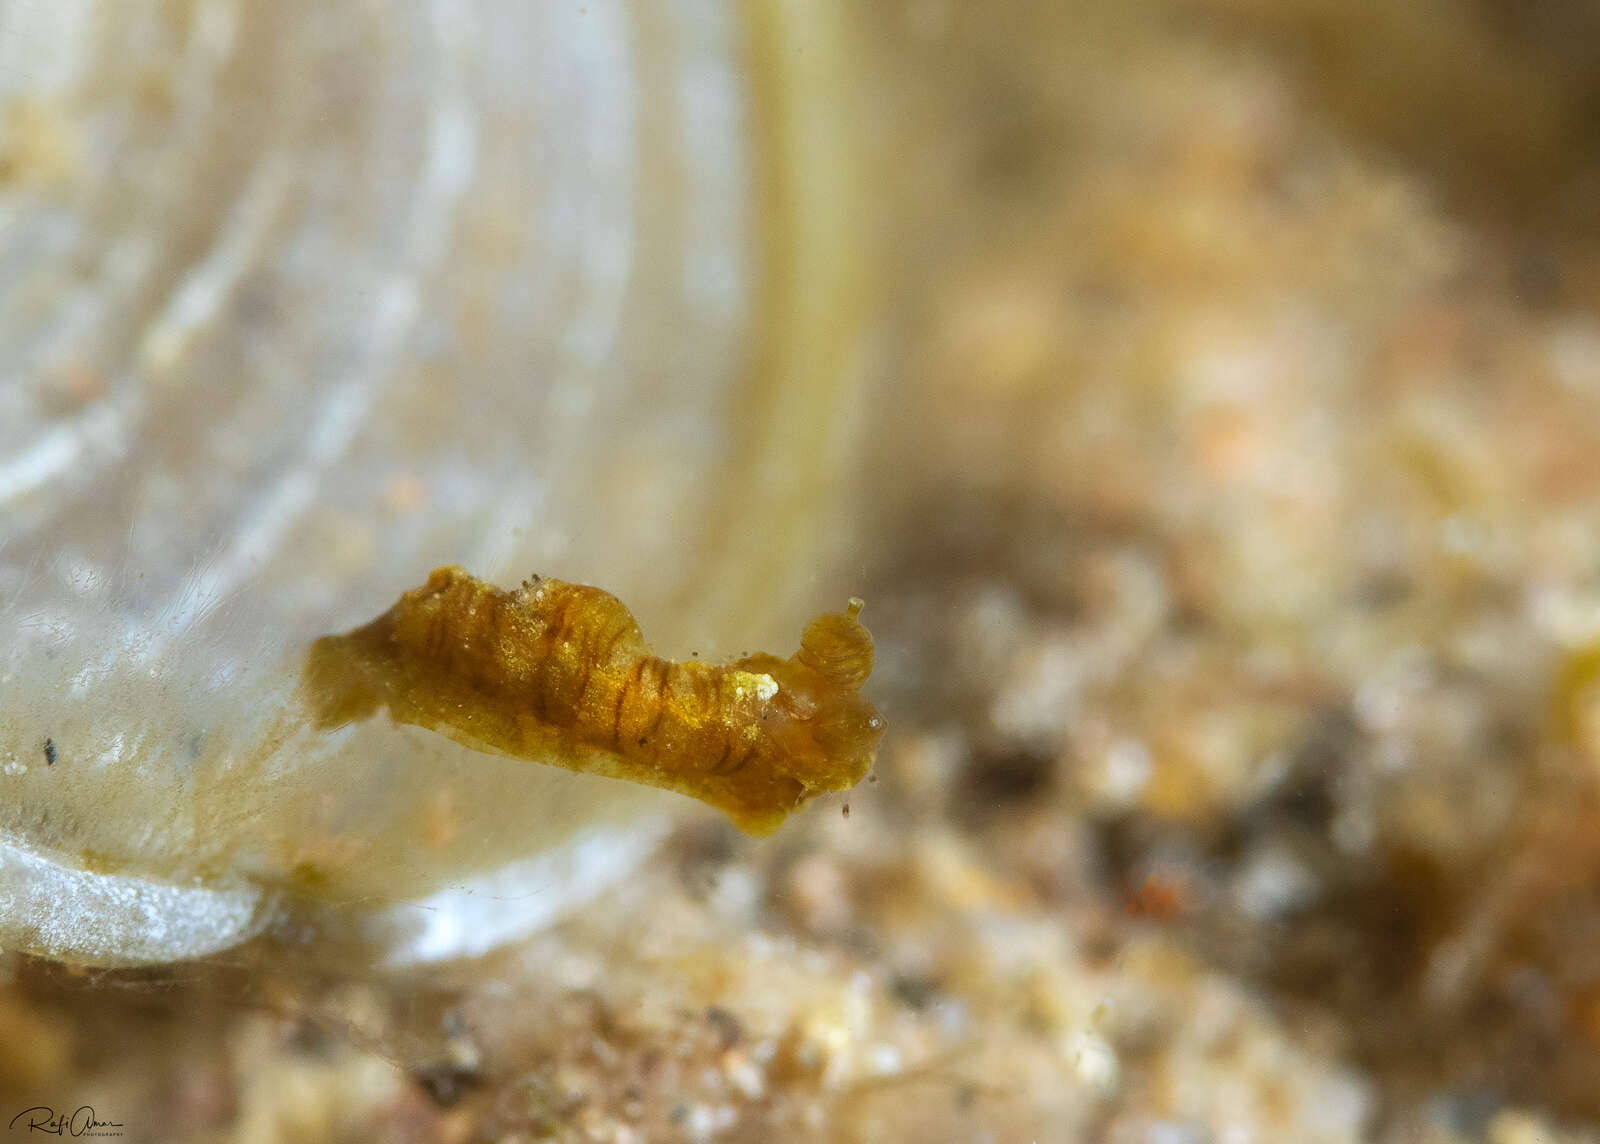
x,y
559,673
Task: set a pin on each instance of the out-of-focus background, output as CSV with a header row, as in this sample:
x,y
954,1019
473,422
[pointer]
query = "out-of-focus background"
x,y
1215,437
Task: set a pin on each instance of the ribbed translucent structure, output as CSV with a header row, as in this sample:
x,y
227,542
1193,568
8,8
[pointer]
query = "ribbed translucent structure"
x,y
298,300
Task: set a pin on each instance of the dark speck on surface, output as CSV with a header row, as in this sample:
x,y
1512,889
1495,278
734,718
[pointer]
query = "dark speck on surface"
x,y
727,1025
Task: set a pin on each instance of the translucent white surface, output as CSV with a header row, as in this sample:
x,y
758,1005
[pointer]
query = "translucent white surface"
x,y
298,300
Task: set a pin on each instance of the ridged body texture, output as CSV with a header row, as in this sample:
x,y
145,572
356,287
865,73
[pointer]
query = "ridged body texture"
x,y
559,673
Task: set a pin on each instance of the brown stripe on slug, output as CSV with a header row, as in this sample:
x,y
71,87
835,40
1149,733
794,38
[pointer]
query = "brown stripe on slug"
x,y
559,673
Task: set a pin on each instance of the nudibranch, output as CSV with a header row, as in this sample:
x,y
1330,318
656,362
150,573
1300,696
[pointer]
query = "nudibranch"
x,y
559,673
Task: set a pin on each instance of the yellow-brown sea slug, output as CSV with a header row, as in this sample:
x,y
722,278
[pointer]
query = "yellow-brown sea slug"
x,y
559,673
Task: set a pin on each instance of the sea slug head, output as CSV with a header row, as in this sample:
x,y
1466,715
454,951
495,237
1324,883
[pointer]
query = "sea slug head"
x,y
845,730
831,730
